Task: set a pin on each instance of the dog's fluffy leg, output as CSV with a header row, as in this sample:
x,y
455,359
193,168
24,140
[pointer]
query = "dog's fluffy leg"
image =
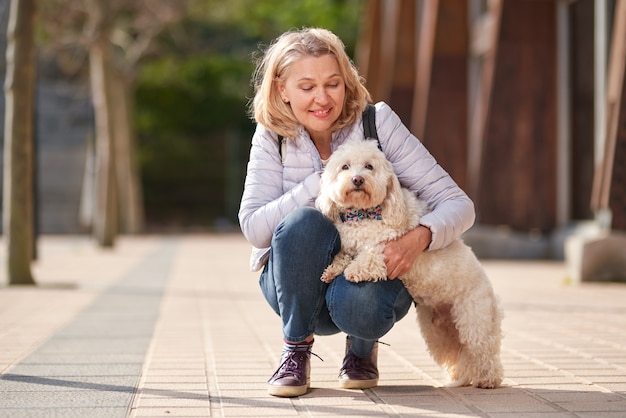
x,y
479,329
368,265
341,260
442,339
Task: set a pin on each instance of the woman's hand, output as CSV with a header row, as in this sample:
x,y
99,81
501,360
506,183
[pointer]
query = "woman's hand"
x,y
400,254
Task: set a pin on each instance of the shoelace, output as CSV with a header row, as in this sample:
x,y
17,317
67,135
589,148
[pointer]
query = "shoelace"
x,y
290,366
355,362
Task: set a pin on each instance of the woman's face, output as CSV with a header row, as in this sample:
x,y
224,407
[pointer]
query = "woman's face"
x,y
315,90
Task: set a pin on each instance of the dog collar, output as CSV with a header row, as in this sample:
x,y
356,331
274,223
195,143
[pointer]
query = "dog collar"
x,y
355,215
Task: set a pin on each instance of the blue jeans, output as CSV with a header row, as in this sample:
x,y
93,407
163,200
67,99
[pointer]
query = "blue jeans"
x,y
303,244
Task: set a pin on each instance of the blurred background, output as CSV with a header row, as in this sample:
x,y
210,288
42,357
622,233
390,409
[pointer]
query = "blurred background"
x,y
522,101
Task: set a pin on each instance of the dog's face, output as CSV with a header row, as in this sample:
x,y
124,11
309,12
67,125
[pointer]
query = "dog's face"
x,y
357,176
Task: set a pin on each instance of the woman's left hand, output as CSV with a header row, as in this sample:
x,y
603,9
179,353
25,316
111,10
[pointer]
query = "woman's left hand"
x,y
400,254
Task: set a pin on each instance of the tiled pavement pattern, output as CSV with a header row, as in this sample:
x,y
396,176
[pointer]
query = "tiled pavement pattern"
x,y
177,327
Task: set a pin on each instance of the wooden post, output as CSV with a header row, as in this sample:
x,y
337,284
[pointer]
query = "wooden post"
x,y
427,27
402,72
441,88
609,189
485,31
369,50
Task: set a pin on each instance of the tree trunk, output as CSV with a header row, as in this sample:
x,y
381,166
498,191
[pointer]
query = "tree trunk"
x,y
18,142
129,184
105,217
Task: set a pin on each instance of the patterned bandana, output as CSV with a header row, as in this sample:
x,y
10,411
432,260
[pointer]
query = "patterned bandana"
x,y
355,215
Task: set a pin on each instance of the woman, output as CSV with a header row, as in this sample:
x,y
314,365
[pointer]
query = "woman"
x,y
308,100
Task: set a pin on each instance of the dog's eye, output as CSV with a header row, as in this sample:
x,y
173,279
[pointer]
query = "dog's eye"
x,y
345,167
369,166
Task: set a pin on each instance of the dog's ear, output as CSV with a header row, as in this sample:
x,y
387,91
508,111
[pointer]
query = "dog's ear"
x,y
395,212
325,204
328,207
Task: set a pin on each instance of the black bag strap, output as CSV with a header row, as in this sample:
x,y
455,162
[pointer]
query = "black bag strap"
x,y
369,128
281,145
369,122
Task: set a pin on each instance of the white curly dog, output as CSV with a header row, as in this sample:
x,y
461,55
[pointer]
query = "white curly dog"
x,y
456,306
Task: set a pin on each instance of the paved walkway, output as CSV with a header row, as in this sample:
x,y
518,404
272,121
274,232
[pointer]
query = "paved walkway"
x,y
176,327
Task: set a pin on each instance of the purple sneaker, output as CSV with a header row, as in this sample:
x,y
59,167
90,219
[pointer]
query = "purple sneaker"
x,y
293,376
357,372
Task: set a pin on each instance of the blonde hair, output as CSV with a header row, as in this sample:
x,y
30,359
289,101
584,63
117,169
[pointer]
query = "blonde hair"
x,y
267,107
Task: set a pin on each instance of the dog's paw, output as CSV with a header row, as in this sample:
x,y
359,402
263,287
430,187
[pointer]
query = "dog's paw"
x,y
327,278
489,383
355,275
329,275
354,278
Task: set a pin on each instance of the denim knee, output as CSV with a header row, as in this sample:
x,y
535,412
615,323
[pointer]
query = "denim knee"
x,y
304,225
367,310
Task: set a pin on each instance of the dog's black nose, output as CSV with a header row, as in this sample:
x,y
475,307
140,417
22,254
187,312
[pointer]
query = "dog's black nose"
x,y
357,181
